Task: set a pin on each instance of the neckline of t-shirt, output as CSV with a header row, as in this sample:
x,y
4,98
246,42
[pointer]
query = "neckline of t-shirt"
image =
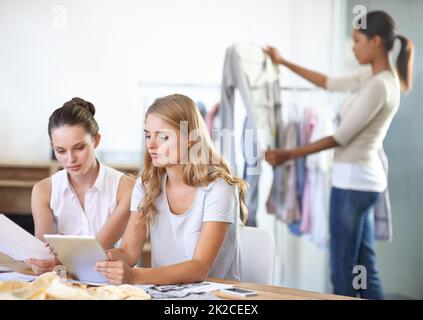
x,y
167,201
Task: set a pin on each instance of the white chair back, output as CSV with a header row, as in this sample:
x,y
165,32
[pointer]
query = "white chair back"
x,y
257,255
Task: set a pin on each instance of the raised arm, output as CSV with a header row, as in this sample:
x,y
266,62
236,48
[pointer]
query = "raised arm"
x,y
314,77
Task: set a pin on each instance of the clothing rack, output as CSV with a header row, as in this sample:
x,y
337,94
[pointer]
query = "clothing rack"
x,y
300,89
177,84
212,86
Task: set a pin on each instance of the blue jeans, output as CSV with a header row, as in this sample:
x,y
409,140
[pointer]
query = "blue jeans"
x,y
352,238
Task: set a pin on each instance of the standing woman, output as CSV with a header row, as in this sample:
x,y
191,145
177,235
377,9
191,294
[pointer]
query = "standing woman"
x,y
186,200
358,175
86,197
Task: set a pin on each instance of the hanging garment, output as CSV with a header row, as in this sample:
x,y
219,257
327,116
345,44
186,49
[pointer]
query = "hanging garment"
x,y
251,71
308,124
210,118
300,176
319,167
202,109
382,211
251,166
302,201
282,199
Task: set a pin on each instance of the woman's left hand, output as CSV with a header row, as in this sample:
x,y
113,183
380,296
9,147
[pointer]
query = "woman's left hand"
x,y
276,157
116,272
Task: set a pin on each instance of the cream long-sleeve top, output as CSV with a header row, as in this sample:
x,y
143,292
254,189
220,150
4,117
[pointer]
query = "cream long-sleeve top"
x,y
365,117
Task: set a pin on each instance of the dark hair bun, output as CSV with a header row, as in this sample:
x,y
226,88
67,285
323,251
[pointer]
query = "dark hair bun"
x,y
81,103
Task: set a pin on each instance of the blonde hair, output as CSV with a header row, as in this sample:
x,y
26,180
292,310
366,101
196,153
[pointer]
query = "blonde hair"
x,y
197,171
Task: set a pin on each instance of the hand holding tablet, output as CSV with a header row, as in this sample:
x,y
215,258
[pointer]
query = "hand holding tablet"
x,y
79,254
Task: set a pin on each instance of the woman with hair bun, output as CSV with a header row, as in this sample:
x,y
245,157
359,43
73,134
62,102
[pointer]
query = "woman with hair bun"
x,y
85,197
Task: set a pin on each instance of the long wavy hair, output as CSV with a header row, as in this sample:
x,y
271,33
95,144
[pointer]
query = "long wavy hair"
x,y
200,169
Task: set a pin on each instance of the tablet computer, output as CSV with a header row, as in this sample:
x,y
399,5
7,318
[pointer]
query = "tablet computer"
x,y
79,254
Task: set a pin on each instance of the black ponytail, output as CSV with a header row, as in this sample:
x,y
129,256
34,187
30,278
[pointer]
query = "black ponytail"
x,y
405,63
381,24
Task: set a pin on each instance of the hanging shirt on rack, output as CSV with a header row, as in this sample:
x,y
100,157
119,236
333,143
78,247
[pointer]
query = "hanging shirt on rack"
x,y
251,71
308,124
283,200
319,166
210,118
302,201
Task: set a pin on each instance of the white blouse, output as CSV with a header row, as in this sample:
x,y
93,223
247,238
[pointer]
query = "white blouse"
x,y
100,202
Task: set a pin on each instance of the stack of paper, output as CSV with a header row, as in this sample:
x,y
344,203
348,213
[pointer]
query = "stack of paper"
x,y
20,244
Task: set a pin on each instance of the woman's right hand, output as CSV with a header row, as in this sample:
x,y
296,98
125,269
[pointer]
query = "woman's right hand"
x,y
40,266
274,55
277,157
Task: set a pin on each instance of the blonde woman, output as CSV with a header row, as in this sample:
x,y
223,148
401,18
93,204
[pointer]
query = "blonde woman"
x,y
186,201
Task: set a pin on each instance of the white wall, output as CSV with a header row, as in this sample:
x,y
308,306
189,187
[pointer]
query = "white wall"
x,y
102,50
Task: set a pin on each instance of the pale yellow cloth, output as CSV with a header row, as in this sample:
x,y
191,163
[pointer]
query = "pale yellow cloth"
x,y
50,287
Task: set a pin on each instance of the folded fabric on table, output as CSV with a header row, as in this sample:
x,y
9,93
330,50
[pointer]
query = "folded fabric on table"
x,y
49,286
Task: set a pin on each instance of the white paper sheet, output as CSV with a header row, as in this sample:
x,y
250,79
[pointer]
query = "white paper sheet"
x,y
208,287
20,244
5,269
5,276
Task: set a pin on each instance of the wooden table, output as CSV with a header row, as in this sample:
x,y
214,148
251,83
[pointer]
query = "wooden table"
x,y
265,292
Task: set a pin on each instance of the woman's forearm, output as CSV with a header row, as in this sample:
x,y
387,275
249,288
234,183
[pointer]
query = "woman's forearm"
x,y
320,145
184,272
314,77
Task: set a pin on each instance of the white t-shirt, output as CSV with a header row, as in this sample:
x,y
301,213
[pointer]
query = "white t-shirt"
x,y
174,237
